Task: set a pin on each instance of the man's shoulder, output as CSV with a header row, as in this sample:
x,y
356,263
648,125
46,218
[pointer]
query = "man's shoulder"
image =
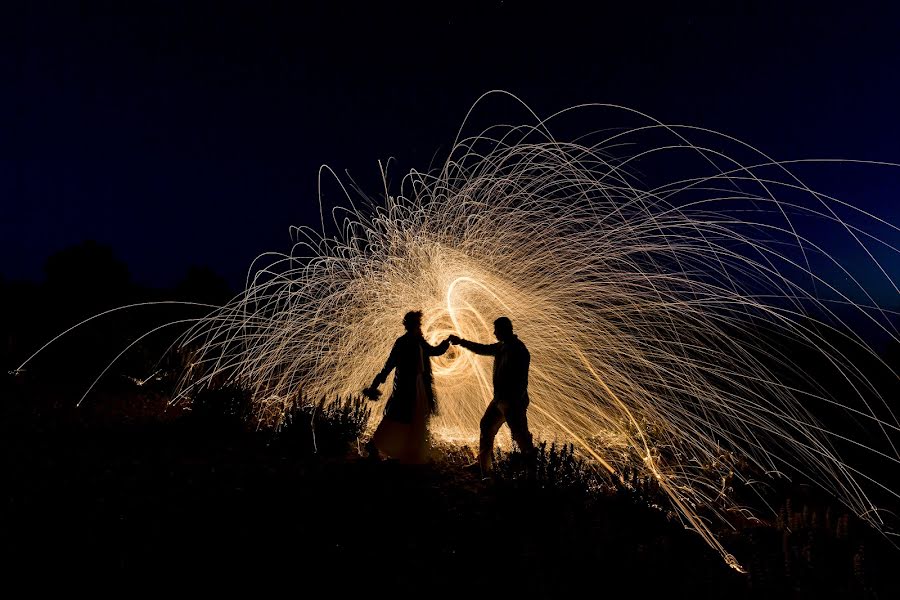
x,y
521,346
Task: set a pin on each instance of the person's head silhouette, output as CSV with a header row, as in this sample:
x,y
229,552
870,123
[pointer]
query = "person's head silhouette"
x,y
503,329
412,321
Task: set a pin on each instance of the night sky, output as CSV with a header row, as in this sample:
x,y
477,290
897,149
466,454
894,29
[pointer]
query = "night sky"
x,y
193,136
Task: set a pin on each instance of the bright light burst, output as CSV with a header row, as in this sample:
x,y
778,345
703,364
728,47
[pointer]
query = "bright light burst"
x,y
653,311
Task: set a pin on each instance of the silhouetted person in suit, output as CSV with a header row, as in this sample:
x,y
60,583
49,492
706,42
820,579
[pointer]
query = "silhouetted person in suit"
x,y
402,433
510,402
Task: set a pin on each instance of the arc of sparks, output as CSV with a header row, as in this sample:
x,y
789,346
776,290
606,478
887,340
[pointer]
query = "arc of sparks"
x,y
653,309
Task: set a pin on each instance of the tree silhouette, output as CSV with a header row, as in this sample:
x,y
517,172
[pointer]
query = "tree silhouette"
x,y
86,277
202,284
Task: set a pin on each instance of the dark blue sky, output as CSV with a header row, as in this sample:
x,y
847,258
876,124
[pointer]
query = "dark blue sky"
x,y
183,136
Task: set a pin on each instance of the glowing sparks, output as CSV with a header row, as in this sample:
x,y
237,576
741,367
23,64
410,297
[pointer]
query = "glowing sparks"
x,y
648,309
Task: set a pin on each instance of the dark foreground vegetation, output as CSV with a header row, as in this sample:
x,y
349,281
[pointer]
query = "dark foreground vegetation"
x,y
124,491
126,494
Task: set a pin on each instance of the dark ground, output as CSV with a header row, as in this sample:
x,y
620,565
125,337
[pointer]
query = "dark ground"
x,y
136,498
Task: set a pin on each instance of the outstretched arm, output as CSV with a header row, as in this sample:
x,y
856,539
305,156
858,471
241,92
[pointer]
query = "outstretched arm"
x,y
483,349
436,350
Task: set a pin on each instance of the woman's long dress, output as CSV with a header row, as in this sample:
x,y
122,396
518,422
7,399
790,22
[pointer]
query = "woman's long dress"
x,y
403,431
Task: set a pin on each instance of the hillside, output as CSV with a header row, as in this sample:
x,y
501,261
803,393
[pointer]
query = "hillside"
x,y
170,498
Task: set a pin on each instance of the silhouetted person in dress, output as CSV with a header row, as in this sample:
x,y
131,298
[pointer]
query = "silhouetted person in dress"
x,y
402,433
510,402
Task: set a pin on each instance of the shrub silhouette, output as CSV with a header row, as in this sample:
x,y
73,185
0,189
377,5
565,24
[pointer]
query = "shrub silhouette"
x,y
326,427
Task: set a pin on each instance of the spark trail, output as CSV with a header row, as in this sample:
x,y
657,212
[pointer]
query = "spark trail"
x,y
653,270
